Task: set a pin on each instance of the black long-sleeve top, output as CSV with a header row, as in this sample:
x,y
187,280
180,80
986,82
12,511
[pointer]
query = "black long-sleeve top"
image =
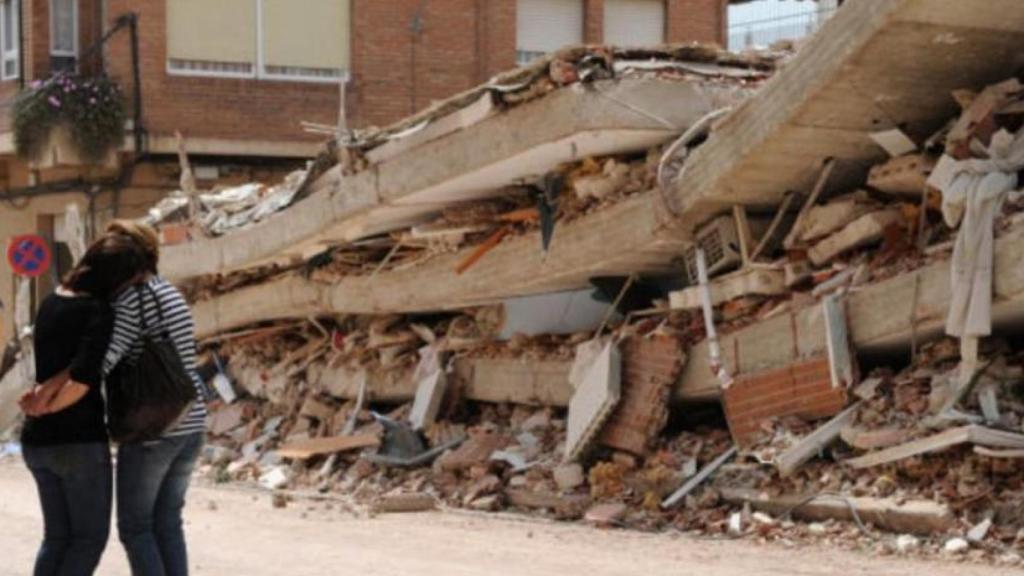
x,y
71,332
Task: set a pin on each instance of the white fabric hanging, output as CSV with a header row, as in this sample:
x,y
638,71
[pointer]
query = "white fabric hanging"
x,y
973,198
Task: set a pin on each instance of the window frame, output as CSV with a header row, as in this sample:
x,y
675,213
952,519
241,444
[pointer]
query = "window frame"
x,y
526,54
14,54
258,69
173,71
75,31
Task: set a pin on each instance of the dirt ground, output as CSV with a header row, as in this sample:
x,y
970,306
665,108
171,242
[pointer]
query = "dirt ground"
x,y
238,532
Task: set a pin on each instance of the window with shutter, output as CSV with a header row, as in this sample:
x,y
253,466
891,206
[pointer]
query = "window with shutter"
x,y
198,42
544,26
63,35
306,40
634,22
10,41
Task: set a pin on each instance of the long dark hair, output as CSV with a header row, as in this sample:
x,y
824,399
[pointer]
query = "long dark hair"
x,y
108,265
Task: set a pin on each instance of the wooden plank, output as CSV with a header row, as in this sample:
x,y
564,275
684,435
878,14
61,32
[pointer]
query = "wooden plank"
x,y
780,215
921,517
990,453
677,496
938,442
306,449
794,232
840,357
791,460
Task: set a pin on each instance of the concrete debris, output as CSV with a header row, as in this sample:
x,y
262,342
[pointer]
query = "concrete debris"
x,y
980,531
956,546
919,517
569,476
903,177
404,503
606,515
863,231
409,321
907,543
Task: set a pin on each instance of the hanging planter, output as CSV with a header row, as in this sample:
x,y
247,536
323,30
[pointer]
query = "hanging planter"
x,y
66,110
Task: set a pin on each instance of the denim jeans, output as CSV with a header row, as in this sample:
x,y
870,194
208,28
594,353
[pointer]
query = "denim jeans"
x,y
75,490
152,478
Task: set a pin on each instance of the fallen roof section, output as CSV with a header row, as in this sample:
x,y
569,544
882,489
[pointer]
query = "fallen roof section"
x,y
874,66
479,150
581,250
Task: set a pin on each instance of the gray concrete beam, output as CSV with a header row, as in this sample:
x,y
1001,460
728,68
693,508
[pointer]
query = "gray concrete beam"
x,y
607,117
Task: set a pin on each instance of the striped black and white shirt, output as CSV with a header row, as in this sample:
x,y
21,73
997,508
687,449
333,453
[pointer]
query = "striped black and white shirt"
x,y
126,341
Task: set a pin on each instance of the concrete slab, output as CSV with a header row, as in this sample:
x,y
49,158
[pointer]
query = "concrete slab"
x,y
475,162
905,176
863,231
746,282
593,402
876,65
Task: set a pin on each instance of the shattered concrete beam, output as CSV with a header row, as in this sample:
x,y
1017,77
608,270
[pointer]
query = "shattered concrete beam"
x,y
876,65
498,380
473,163
879,317
923,517
579,251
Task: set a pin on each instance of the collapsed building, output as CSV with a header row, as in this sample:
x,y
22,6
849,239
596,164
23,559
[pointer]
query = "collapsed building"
x,y
806,292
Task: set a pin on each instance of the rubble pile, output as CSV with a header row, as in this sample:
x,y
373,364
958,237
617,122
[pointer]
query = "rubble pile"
x,y
870,451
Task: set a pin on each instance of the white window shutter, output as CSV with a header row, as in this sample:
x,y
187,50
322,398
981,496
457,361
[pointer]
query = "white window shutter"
x,y
544,26
634,22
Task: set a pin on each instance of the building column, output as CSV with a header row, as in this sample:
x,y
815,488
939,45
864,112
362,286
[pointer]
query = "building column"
x,y
593,21
703,21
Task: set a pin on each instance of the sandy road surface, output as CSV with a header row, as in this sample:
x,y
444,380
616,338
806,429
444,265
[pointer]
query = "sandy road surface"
x,y
233,532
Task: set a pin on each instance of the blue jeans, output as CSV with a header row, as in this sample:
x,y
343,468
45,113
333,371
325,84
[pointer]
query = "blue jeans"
x,y
75,486
152,479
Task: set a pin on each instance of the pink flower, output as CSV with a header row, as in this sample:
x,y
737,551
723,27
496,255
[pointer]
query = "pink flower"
x,y
54,101
36,84
92,101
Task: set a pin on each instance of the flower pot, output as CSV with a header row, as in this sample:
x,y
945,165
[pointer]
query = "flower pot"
x,y
59,150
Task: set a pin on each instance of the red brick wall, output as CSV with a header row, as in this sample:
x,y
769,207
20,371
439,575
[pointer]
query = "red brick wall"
x,y
211,107
803,389
593,21
696,21
394,72
650,368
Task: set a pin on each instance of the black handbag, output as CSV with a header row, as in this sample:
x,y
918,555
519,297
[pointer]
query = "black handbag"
x,y
148,396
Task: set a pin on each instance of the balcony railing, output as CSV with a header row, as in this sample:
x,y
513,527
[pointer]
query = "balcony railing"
x,y
773,25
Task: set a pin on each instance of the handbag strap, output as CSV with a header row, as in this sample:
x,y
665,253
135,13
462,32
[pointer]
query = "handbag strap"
x,y
166,333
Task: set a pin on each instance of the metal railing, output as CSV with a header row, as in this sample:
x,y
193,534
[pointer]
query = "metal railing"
x,y
764,32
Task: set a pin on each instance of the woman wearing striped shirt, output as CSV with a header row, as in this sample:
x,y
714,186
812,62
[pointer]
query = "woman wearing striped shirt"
x,y
153,477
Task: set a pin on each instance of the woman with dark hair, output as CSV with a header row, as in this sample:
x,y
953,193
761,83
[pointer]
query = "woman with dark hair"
x,y
153,477
65,438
